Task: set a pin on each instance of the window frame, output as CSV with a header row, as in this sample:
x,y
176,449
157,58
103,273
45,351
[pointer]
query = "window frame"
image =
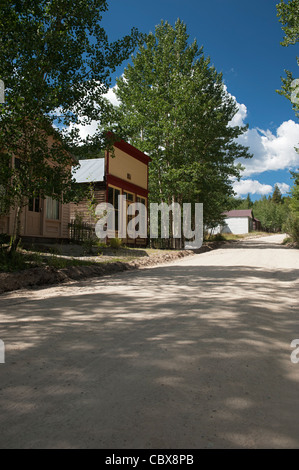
x,y
52,213
114,204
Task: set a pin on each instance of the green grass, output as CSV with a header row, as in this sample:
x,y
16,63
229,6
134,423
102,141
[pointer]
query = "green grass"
x,y
215,238
60,262
39,256
21,260
230,236
18,261
222,237
287,240
115,243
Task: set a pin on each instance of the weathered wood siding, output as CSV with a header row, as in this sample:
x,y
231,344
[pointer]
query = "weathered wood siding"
x,y
81,209
4,220
37,225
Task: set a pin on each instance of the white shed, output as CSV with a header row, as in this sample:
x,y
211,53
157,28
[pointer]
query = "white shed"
x,y
237,222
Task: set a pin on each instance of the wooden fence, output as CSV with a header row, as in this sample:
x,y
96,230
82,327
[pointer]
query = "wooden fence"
x,y
80,231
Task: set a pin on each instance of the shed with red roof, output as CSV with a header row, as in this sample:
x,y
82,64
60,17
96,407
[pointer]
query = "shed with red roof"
x,y
238,222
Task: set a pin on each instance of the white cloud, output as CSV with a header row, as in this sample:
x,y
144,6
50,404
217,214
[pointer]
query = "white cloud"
x,y
243,187
111,96
271,151
284,188
251,186
240,116
91,129
86,130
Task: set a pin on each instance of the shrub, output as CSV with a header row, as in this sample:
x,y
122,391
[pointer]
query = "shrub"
x,y
115,243
291,227
17,261
88,246
101,244
218,237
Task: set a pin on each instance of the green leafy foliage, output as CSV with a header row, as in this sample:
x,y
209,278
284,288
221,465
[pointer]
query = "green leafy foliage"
x,y
18,261
289,18
242,203
288,13
292,222
291,226
271,214
272,211
294,202
56,62
115,243
276,196
175,107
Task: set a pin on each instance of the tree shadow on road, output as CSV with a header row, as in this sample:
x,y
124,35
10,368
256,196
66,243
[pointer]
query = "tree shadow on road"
x,y
173,357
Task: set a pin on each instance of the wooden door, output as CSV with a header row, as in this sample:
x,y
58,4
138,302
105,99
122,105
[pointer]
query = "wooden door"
x,y
33,217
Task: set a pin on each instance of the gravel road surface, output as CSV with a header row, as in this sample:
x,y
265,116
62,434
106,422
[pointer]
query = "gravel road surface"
x,y
187,355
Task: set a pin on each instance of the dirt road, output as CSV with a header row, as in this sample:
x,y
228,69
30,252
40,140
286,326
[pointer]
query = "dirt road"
x,y
189,355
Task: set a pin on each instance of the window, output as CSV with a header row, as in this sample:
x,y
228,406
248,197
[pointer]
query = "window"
x,y
129,201
52,208
143,222
129,196
141,200
34,204
113,194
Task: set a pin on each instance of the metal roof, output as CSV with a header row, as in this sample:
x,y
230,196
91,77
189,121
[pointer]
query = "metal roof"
x,y
90,171
239,213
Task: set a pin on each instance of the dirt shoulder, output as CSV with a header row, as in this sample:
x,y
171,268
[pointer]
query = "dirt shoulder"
x,y
101,266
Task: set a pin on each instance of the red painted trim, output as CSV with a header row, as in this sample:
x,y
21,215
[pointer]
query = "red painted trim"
x,y
132,188
107,162
132,151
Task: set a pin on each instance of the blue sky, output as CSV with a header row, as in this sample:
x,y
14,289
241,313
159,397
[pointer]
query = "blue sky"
x,y
242,39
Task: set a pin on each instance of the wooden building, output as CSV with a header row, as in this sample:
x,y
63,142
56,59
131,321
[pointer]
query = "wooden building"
x,y
121,172
40,218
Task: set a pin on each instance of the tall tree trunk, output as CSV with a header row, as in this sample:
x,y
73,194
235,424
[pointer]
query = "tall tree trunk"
x,y
16,235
